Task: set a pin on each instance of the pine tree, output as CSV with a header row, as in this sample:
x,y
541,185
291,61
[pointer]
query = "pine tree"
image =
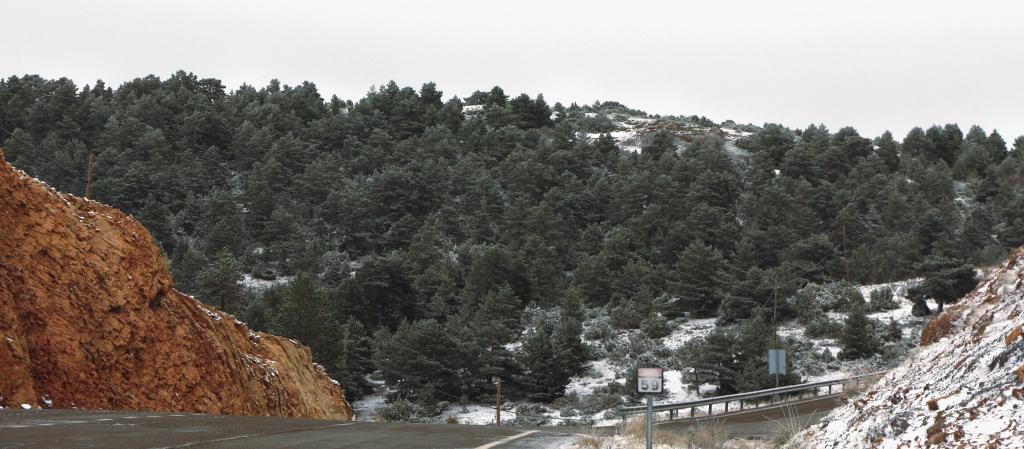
x,y
714,359
701,280
568,336
893,331
219,282
421,357
858,339
496,323
355,360
888,150
946,280
545,375
305,315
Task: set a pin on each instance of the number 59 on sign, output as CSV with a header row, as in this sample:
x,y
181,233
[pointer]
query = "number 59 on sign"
x,y
649,380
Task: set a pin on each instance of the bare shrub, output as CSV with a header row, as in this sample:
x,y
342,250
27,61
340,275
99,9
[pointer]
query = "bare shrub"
x,y
707,434
787,427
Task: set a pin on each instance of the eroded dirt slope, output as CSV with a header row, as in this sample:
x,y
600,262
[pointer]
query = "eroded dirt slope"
x,y
89,318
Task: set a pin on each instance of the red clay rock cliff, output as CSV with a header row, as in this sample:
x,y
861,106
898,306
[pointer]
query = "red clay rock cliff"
x,y
89,319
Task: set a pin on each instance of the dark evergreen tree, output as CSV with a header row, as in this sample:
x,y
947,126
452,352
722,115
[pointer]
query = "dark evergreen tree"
x,y
218,282
305,315
946,280
858,339
701,282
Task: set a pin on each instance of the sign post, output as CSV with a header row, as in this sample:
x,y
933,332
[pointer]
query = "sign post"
x,y
497,410
777,363
650,381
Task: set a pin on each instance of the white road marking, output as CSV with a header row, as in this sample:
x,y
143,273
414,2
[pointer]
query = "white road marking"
x,y
239,437
506,440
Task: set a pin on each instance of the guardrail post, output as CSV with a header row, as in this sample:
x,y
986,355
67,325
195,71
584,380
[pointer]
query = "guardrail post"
x,y
741,404
692,411
709,409
727,406
830,390
671,414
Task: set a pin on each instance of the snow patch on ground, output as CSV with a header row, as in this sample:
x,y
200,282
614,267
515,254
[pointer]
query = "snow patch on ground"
x,y
366,408
476,414
689,330
257,284
599,373
630,131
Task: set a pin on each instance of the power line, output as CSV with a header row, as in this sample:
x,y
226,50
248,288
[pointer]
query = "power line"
x,y
40,152
816,266
113,246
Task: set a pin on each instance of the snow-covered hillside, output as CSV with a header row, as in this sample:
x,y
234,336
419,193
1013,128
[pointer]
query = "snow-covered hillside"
x,y
963,388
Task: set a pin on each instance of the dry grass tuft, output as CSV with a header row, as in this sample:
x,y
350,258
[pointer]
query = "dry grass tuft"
x,y
788,427
707,434
940,326
1014,335
590,439
634,429
935,433
589,442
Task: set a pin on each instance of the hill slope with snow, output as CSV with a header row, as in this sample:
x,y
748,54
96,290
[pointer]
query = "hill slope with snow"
x,y
963,388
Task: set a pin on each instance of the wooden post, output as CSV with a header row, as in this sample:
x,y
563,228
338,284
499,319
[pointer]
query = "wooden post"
x,y
497,410
846,261
88,177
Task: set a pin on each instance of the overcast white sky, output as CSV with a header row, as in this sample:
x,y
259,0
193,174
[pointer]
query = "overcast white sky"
x,y
874,65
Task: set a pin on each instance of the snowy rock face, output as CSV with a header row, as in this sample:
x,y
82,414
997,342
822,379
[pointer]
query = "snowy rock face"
x,y
89,318
963,388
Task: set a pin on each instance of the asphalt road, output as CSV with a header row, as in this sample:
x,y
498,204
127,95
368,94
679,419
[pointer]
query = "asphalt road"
x,y
148,430
130,430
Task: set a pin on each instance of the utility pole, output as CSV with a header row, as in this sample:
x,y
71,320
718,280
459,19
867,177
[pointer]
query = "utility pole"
x,y
774,280
775,329
497,410
846,258
88,177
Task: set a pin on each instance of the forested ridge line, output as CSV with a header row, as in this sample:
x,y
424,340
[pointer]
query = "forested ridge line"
x,y
471,244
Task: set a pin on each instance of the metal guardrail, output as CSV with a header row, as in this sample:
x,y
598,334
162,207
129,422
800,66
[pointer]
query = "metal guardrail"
x,y
785,394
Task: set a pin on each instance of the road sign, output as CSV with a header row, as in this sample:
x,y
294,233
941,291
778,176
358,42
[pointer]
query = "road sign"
x,y
777,361
649,380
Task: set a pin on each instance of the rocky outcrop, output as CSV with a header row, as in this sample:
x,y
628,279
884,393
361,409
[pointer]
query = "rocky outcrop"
x,y
89,318
963,388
